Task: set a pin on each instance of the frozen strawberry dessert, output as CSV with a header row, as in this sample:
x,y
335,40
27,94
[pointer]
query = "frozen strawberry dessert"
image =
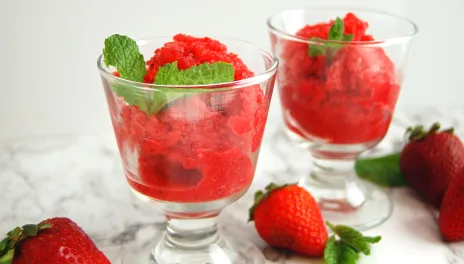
x,y
337,89
192,142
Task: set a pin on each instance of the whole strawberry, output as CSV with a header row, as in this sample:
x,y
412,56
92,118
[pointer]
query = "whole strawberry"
x,y
431,160
451,219
53,241
289,217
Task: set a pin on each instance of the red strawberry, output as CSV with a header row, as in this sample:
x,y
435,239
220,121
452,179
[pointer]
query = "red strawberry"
x,y
430,160
451,219
289,217
53,241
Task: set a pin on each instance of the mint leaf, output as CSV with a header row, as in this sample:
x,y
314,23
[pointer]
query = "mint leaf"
x,y
331,251
384,171
348,37
133,95
348,255
315,49
373,240
123,53
160,99
203,74
351,237
327,48
336,31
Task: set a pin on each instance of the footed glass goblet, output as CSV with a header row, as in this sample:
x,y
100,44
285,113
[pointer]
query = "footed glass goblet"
x,y
340,75
191,150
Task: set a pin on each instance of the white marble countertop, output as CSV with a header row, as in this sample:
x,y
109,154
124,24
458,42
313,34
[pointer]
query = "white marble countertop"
x,y
81,177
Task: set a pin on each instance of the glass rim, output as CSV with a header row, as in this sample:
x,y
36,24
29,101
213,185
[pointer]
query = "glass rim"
x,y
256,79
402,38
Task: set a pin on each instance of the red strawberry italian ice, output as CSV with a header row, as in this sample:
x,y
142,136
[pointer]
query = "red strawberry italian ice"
x,y
200,148
345,98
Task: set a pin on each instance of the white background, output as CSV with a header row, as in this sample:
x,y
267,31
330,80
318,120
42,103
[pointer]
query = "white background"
x,y
49,83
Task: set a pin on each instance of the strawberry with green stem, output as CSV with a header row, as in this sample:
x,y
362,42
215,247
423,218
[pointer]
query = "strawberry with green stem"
x,y
53,241
287,216
430,160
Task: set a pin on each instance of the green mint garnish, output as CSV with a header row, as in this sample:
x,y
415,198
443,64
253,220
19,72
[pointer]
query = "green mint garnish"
x,y
351,237
332,251
373,240
327,48
203,74
123,53
347,248
384,171
348,255
337,29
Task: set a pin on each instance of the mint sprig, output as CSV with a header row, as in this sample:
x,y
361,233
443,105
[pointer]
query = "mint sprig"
x,y
384,171
328,48
346,245
203,74
123,53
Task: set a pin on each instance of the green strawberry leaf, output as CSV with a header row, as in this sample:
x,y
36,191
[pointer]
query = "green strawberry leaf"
x,y
30,230
8,257
351,237
203,74
123,53
45,226
14,237
261,195
15,234
332,251
328,48
384,171
4,246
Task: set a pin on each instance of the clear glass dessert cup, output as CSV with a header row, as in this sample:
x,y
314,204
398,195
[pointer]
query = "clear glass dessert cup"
x,y
190,151
340,104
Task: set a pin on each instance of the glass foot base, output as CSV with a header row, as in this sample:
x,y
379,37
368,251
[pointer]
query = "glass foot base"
x,y
359,205
225,251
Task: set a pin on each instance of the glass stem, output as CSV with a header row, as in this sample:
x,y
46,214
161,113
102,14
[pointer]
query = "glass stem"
x,y
331,171
334,184
192,233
